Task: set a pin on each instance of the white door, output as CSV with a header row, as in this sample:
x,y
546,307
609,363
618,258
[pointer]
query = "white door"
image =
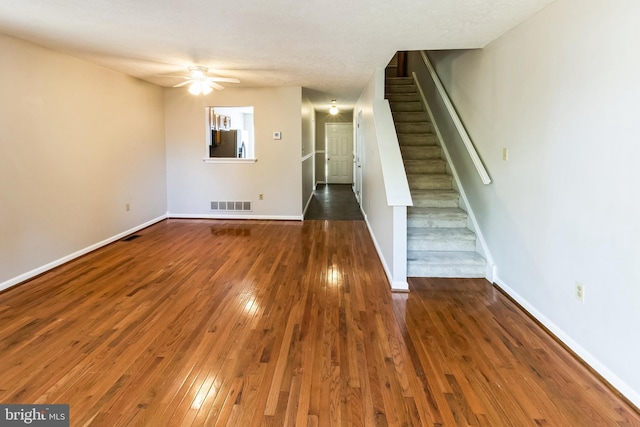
x,y
358,170
339,141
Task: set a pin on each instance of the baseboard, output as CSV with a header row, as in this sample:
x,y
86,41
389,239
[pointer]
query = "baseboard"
x,y
43,269
306,206
241,216
592,363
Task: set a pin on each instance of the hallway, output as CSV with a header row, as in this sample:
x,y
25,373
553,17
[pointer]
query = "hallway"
x,y
334,202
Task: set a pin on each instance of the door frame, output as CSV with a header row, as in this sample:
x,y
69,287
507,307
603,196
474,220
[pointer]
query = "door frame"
x,y
357,172
326,148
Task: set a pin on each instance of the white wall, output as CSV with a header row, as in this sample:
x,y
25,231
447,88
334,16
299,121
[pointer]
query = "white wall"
x,y
77,142
193,184
561,92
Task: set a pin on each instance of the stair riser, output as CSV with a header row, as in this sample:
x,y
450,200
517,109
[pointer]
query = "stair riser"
x,y
434,221
435,202
444,271
403,96
410,116
389,89
420,153
399,107
417,139
400,81
416,244
429,182
426,166
407,128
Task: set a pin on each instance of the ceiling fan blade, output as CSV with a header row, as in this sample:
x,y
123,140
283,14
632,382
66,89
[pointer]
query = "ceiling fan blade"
x,y
224,79
170,76
216,85
183,83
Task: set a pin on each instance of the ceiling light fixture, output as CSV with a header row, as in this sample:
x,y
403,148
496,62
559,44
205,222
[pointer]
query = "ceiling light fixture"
x,y
200,87
334,108
200,83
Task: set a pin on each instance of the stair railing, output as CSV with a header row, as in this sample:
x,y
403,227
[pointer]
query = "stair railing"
x,y
484,176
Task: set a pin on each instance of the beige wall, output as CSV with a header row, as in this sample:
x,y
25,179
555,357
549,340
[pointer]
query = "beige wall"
x,y
277,174
77,142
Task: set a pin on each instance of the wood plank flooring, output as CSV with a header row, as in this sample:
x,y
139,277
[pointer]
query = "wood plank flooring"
x,y
258,323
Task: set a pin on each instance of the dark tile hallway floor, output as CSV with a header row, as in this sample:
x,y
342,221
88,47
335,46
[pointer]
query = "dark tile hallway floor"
x,y
334,202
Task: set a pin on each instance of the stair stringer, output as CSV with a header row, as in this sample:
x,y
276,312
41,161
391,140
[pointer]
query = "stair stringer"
x,y
481,245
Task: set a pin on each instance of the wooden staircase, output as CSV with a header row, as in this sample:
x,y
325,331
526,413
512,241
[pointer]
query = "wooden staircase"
x,y
439,242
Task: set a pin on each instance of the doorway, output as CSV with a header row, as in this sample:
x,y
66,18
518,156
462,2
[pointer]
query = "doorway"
x,y
339,149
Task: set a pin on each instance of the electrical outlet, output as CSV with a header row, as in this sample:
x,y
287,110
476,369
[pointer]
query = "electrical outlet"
x,y
580,291
261,196
127,207
505,154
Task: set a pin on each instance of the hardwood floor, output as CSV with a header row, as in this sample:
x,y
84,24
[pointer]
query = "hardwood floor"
x,y
258,323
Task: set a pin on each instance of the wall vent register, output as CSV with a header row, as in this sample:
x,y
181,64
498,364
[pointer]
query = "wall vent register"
x,y
234,206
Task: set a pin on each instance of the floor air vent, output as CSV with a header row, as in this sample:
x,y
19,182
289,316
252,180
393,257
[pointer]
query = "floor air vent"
x,y
231,206
130,238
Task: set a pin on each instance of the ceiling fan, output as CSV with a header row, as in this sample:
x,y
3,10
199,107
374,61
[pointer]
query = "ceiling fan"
x,y
201,82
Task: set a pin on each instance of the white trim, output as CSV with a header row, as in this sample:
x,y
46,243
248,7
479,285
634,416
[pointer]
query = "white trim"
x,y
490,267
239,216
394,176
33,273
619,384
484,176
308,156
306,206
227,160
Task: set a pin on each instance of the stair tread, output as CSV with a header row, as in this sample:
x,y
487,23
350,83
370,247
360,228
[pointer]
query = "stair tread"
x,y
434,193
427,162
445,257
430,175
435,198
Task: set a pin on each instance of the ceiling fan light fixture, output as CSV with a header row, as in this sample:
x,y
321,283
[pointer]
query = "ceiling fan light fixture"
x,y
201,82
206,89
334,108
200,87
198,72
195,88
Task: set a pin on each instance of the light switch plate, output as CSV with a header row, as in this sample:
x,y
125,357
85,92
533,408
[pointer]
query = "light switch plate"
x,y
277,135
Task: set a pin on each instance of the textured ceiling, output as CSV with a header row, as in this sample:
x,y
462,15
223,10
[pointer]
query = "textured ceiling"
x,y
330,47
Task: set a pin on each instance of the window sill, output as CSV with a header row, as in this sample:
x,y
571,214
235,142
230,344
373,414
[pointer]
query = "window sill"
x,y
227,160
